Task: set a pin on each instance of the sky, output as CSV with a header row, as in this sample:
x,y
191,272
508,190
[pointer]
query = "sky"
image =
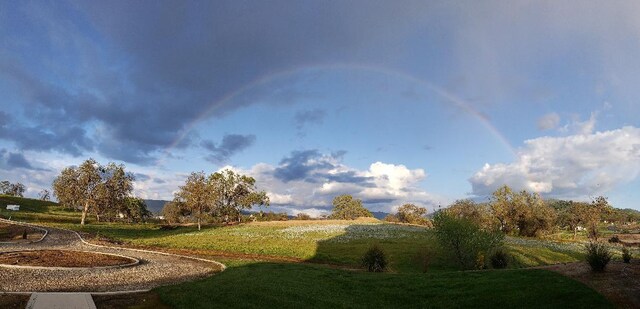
x,y
393,102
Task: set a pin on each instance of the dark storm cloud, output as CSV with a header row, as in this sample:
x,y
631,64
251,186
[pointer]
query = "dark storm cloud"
x,y
346,177
314,116
230,145
313,167
141,176
143,70
300,164
12,160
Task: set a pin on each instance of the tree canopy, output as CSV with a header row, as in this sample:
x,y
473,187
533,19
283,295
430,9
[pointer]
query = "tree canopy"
x,y
345,207
104,191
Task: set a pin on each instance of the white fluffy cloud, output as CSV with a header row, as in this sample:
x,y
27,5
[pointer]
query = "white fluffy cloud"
x,y
312,182
571,166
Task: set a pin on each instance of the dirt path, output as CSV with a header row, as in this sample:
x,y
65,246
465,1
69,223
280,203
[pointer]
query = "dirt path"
x,y
155,269
620,282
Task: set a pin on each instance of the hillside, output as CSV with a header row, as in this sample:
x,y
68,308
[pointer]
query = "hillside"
x,y
155,206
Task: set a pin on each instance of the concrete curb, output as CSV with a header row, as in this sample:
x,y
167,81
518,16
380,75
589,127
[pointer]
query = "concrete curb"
x,y
134,263
46,232
222,266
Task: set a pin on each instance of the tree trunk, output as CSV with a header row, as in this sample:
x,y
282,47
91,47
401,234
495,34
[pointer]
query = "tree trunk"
x,y
84,212
198,223
575,232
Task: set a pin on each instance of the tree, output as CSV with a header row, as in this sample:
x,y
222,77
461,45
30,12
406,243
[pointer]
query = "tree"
x,y
9,188
44,195
196,195
135,209
66,188
577,214
480,214
233,193
113,192
91,187
465,241
537,217
412,214
523,213
88,182
345,207
172,212
505,208
5,187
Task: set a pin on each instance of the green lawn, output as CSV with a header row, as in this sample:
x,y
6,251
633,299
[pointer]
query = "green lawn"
x,y
262,285
334,242
251,284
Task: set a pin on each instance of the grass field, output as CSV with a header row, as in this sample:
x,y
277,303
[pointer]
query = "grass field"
x,y
301,286
254,284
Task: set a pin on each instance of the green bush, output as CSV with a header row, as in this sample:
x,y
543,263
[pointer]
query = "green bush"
x,y
626,255
423,258
375,260
500,259
614,239
464,240
598,256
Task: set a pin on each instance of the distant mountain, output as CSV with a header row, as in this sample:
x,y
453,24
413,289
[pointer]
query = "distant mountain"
x,y
379,214
155,206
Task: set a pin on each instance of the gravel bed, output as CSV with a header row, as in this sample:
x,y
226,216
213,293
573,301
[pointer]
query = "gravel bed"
x,y
154,269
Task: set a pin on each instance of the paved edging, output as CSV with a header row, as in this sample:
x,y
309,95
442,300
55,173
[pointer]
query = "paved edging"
x,y
135,262
222,266
46,232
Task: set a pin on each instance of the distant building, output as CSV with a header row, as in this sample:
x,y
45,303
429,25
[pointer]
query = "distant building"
x,y
13,207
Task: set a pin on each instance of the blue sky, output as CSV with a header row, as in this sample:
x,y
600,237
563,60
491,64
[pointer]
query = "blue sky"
x,y
391,101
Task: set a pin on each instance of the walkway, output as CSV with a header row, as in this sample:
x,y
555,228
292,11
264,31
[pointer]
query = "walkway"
x,y
155,269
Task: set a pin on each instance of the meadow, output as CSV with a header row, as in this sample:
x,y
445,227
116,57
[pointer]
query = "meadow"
x,y
317,263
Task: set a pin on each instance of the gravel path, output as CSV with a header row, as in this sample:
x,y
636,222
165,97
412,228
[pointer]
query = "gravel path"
x,y
155,269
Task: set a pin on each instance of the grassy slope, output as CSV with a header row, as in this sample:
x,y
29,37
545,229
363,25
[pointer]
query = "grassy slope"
x,y
345,248
33,210
293,285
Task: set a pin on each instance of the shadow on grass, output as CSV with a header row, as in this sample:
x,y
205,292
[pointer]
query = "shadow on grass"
x,y
255,284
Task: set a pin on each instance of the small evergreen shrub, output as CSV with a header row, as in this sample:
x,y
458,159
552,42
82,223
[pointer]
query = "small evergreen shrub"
x,y
24,234
598,256
500,259
626,255
614,239
375,260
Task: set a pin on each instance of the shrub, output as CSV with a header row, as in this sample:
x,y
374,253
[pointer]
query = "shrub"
x,y
598,256
500,259
626,255
24,234
375,260
464,240
391,218
303,216
423,258
614,239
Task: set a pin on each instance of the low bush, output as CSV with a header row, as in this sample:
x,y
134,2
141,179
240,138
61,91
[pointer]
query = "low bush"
x,y
375,260
464,240
24,234
500,259
614,239
598,256
423,258
626,255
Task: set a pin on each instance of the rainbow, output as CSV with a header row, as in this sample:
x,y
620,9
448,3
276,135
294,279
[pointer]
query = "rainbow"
x,y
273,76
